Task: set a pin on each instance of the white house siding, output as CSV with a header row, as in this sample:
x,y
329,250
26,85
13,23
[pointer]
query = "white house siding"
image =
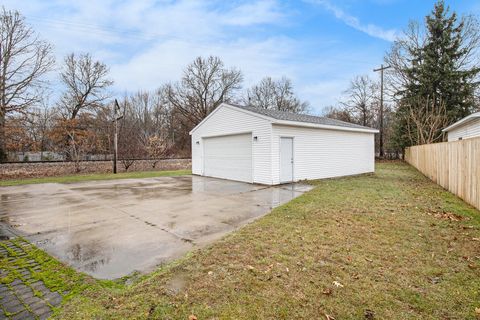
x,y
320,153
229,121
468,130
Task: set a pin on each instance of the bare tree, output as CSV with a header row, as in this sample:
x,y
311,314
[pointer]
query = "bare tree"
x,y
157,148
86,83
151,113
360,99
206,83
130,147
24,59
400,58
425,120
275,95
338,113
38,122
78,135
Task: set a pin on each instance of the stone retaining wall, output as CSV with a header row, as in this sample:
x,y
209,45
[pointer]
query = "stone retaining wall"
x,y
50,169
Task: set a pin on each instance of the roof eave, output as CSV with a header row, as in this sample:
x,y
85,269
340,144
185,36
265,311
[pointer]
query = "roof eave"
x,y
286,122
304,124
462,122
323,126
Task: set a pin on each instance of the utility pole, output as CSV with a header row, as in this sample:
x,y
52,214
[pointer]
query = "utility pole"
x,y
381,69
116,108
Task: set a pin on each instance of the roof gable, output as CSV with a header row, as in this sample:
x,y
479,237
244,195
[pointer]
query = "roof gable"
x,y
229,106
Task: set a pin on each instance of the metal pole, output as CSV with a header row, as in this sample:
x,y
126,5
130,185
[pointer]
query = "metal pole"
x,y
381,113
115,137
381,69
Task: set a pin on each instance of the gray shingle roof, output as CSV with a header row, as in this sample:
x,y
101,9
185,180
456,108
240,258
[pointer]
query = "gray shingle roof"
x,y
288,116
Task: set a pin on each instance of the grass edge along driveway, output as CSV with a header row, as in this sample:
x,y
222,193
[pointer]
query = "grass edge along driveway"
x,y
94,177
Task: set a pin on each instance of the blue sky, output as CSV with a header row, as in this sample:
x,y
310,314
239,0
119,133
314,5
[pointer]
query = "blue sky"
x,y
319,44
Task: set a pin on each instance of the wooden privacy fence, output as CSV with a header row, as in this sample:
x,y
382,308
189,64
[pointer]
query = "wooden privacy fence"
x,y
453,165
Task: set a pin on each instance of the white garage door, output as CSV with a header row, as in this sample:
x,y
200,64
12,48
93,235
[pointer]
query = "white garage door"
x,y
228,157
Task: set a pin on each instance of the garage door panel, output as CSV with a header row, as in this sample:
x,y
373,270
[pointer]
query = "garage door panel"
x,y
229,157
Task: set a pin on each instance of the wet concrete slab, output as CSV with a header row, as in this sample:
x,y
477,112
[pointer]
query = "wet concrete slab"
x,y
110,229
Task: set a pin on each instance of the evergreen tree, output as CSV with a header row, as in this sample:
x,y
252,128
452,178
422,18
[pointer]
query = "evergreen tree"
x,y
435,71
437,74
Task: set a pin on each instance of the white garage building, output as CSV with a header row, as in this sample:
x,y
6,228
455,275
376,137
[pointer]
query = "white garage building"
x,y
272,147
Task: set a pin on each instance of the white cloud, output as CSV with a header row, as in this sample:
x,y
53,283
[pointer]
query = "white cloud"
x,y
354,22
165,61
148,42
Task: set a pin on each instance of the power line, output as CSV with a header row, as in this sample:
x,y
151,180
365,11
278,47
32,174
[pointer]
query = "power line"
x,y
111,31
91,28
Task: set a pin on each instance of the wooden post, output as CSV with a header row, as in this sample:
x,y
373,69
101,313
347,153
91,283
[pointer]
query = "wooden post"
x,y
116,107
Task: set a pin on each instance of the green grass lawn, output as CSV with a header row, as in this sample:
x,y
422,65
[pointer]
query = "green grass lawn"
x,y
96,176
391,245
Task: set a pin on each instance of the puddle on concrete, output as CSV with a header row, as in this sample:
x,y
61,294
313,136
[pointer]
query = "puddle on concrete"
x,y
110,229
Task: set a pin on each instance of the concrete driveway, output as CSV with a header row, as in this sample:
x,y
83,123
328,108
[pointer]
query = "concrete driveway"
x,y
109,229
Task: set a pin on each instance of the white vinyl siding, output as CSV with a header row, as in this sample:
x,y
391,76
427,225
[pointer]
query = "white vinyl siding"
x,y
228,157
320,153
230,121
470,129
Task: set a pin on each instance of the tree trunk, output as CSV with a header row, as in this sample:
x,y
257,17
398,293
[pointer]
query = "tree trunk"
x,y
3,144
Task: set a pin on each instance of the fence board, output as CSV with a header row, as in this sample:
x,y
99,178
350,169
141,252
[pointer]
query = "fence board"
x,y
453,165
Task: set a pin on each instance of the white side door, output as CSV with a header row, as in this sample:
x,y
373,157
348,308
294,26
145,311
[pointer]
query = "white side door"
x,y
286,160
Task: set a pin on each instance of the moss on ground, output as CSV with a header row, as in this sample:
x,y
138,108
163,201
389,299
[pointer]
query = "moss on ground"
x,y
26,263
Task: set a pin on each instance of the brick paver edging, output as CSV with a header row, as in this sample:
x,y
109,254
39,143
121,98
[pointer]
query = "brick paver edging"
x,y
22,296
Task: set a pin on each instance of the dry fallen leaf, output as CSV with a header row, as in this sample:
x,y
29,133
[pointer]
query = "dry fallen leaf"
x,y
327,291
192,317
369,314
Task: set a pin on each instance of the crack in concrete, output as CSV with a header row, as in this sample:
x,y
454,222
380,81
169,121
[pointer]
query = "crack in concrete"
x,y
134,217
156,226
